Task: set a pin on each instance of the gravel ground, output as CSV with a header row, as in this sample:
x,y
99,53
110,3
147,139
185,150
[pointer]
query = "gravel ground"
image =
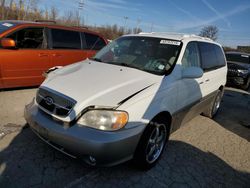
x,y
203,153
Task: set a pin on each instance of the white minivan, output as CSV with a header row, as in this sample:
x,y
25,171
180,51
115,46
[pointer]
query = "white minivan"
x,y
125,102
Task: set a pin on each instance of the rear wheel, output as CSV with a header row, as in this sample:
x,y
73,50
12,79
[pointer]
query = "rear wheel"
x,y
151,145
214,107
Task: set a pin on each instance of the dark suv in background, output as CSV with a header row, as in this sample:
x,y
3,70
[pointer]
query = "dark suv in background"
x,y
238,69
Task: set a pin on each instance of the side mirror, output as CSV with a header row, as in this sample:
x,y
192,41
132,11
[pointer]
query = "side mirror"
x,y
192,72
8,43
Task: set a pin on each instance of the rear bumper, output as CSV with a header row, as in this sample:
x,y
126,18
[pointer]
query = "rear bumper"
x,y
107,148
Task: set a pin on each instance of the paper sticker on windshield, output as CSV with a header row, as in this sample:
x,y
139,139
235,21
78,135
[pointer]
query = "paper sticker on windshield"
x,y
7,24
161,67
170,42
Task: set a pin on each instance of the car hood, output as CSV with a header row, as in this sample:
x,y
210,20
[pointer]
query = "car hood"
x,y
237,65
93,83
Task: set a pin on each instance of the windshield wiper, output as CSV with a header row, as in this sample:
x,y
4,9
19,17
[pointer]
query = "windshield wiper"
x,y
128,65
96,59
120,64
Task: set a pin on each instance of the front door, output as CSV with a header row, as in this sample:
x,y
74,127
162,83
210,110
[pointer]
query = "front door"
x,y
25,65
190,90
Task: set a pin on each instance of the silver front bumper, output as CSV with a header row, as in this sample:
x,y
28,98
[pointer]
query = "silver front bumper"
x,y
107,148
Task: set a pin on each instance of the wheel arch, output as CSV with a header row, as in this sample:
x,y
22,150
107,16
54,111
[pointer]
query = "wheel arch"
x,y
221,88
162,117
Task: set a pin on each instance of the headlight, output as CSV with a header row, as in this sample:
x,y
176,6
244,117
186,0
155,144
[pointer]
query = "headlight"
x,y
108,120
242,71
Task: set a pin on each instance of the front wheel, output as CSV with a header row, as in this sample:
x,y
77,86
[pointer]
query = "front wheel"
x,y
151,145
246,85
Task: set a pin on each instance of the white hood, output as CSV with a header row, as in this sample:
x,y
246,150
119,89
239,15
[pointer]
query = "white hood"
x,y
100,84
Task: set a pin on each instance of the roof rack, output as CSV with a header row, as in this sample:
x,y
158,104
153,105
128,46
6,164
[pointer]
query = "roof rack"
x,y
182,35
164,33
83,27
199,37
47,21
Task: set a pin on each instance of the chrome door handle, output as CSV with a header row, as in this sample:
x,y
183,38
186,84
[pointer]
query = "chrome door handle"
x,y
43,55
57,55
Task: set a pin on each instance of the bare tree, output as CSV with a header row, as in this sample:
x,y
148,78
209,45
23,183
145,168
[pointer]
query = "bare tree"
x,y
3,8
29,6
29,10
46,14
10,9
38,14
77,19
210,32
53,13
20,10
137,30
70,18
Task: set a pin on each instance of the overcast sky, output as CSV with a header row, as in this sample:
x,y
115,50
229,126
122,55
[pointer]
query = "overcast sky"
x,y
232,17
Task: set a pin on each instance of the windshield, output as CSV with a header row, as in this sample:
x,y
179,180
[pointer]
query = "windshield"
x,y
6,25
154,55
241,58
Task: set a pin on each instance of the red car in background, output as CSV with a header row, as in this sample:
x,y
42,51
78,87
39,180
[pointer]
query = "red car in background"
x,y
28,49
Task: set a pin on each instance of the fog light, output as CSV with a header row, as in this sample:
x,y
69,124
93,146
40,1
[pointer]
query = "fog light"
x,y
92,160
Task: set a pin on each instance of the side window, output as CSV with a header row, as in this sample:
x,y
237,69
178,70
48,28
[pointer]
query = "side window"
x,y
191,57
29,38
94,42
238,58
65,39
211,55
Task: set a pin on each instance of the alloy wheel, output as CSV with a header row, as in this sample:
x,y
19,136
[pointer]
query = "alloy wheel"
x,y
156,143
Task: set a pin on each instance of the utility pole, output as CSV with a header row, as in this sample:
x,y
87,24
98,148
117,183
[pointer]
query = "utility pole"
x,y
152,27
125,21
80,7
137,25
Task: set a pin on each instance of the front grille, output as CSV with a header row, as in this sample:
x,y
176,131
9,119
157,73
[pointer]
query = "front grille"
x,y
54,102
232,72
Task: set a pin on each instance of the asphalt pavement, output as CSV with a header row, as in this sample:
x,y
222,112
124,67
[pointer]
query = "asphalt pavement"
x,y
203,153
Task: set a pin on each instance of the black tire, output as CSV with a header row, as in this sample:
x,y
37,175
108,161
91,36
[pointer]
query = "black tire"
x,y
142,157
246,85
213,108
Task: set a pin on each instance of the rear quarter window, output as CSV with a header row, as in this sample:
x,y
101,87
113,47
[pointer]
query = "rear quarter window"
x,y
212,56
65,39
94,42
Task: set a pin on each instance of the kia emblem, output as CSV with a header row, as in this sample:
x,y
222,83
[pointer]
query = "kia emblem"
x,y
49,101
